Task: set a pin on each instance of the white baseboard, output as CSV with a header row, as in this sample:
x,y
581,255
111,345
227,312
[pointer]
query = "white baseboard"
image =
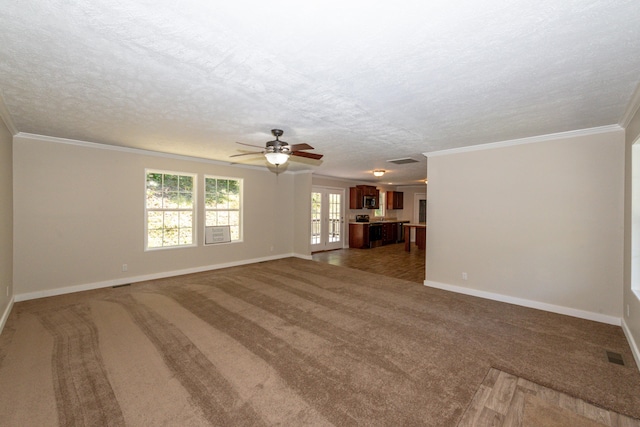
x,y
568,311
632,343
301,256
134,279
5,315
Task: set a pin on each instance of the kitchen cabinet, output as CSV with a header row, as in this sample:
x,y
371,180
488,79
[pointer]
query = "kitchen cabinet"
x,y
395,200
368,190
355,198
364,235
359,236
389,233
357,193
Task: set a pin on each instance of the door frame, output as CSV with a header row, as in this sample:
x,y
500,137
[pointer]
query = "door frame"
x,y
324,244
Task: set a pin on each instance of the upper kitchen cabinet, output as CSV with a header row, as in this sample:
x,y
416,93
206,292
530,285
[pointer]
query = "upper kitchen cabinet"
x,y
368,190
395,200
355,198
364,197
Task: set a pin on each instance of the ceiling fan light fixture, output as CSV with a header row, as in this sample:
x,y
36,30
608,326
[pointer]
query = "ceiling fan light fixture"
x,y
276,158
378,172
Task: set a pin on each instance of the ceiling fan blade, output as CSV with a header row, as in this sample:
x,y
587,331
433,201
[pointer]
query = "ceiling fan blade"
x,y
246,154
298,147
307,155
250,145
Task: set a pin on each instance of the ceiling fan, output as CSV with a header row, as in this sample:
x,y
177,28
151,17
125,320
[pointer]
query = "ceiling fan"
x,y
277,152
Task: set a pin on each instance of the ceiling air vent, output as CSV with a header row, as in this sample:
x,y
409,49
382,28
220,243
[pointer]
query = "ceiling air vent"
x,y
403,161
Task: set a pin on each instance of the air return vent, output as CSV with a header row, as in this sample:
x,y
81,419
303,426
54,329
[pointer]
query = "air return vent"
x,y
615,358
403,161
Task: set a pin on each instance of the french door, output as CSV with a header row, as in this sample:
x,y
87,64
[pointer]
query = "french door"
x,y
327,218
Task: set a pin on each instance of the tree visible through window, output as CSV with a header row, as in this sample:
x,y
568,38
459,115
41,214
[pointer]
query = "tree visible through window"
x,y
170,210
222,201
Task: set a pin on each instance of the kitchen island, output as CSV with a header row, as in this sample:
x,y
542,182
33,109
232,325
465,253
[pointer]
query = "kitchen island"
x,y
421,235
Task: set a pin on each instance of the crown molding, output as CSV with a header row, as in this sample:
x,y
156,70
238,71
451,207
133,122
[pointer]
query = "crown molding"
x,y
528,140
632,108
5,116
139,151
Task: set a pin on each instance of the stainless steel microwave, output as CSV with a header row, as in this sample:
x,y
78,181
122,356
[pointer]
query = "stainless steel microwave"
x,y
369,202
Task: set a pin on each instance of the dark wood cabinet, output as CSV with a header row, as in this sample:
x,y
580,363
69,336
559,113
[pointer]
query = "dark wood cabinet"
x,y
364,235
389,233
359,236
395,200
357,193
368,190
355,198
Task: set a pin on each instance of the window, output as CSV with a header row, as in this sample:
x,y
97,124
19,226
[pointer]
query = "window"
x,y
380,211
170,209
222,202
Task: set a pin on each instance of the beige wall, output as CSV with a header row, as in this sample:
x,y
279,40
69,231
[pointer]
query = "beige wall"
x,y
6,221
79,215
537,223
632,299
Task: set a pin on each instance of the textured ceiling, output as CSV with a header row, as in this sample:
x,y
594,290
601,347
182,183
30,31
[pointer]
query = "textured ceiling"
x,y
362,83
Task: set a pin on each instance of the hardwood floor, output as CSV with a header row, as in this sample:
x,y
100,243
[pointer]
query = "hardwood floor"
x,y
506,400
388,260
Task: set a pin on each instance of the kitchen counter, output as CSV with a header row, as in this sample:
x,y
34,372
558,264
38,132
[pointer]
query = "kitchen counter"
x,y
363,235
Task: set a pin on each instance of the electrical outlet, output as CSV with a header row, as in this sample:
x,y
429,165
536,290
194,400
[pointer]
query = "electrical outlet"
x,y
271,249
125,267
464,276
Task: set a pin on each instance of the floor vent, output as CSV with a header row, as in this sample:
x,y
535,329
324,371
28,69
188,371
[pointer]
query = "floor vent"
x,y
121,286
403,161
615,358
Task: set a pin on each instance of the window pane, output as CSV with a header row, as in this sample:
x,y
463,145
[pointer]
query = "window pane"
x,y
223,218
222,201
186,184
211,218
234,201
171,220
170,237
186,236
170,200
210,201
185,200
235,232
210,185
223,186
186,219
155,220
154,180
170,183
234,218
154,199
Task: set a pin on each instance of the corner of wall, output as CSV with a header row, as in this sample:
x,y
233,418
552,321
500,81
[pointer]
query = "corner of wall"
x,y
632,343
5,314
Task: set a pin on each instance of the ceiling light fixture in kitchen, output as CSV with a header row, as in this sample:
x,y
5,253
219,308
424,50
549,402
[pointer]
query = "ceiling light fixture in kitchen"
x,y
378,172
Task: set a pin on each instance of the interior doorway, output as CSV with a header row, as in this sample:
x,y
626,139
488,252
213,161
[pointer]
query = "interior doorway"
x,y
419,211
327,218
